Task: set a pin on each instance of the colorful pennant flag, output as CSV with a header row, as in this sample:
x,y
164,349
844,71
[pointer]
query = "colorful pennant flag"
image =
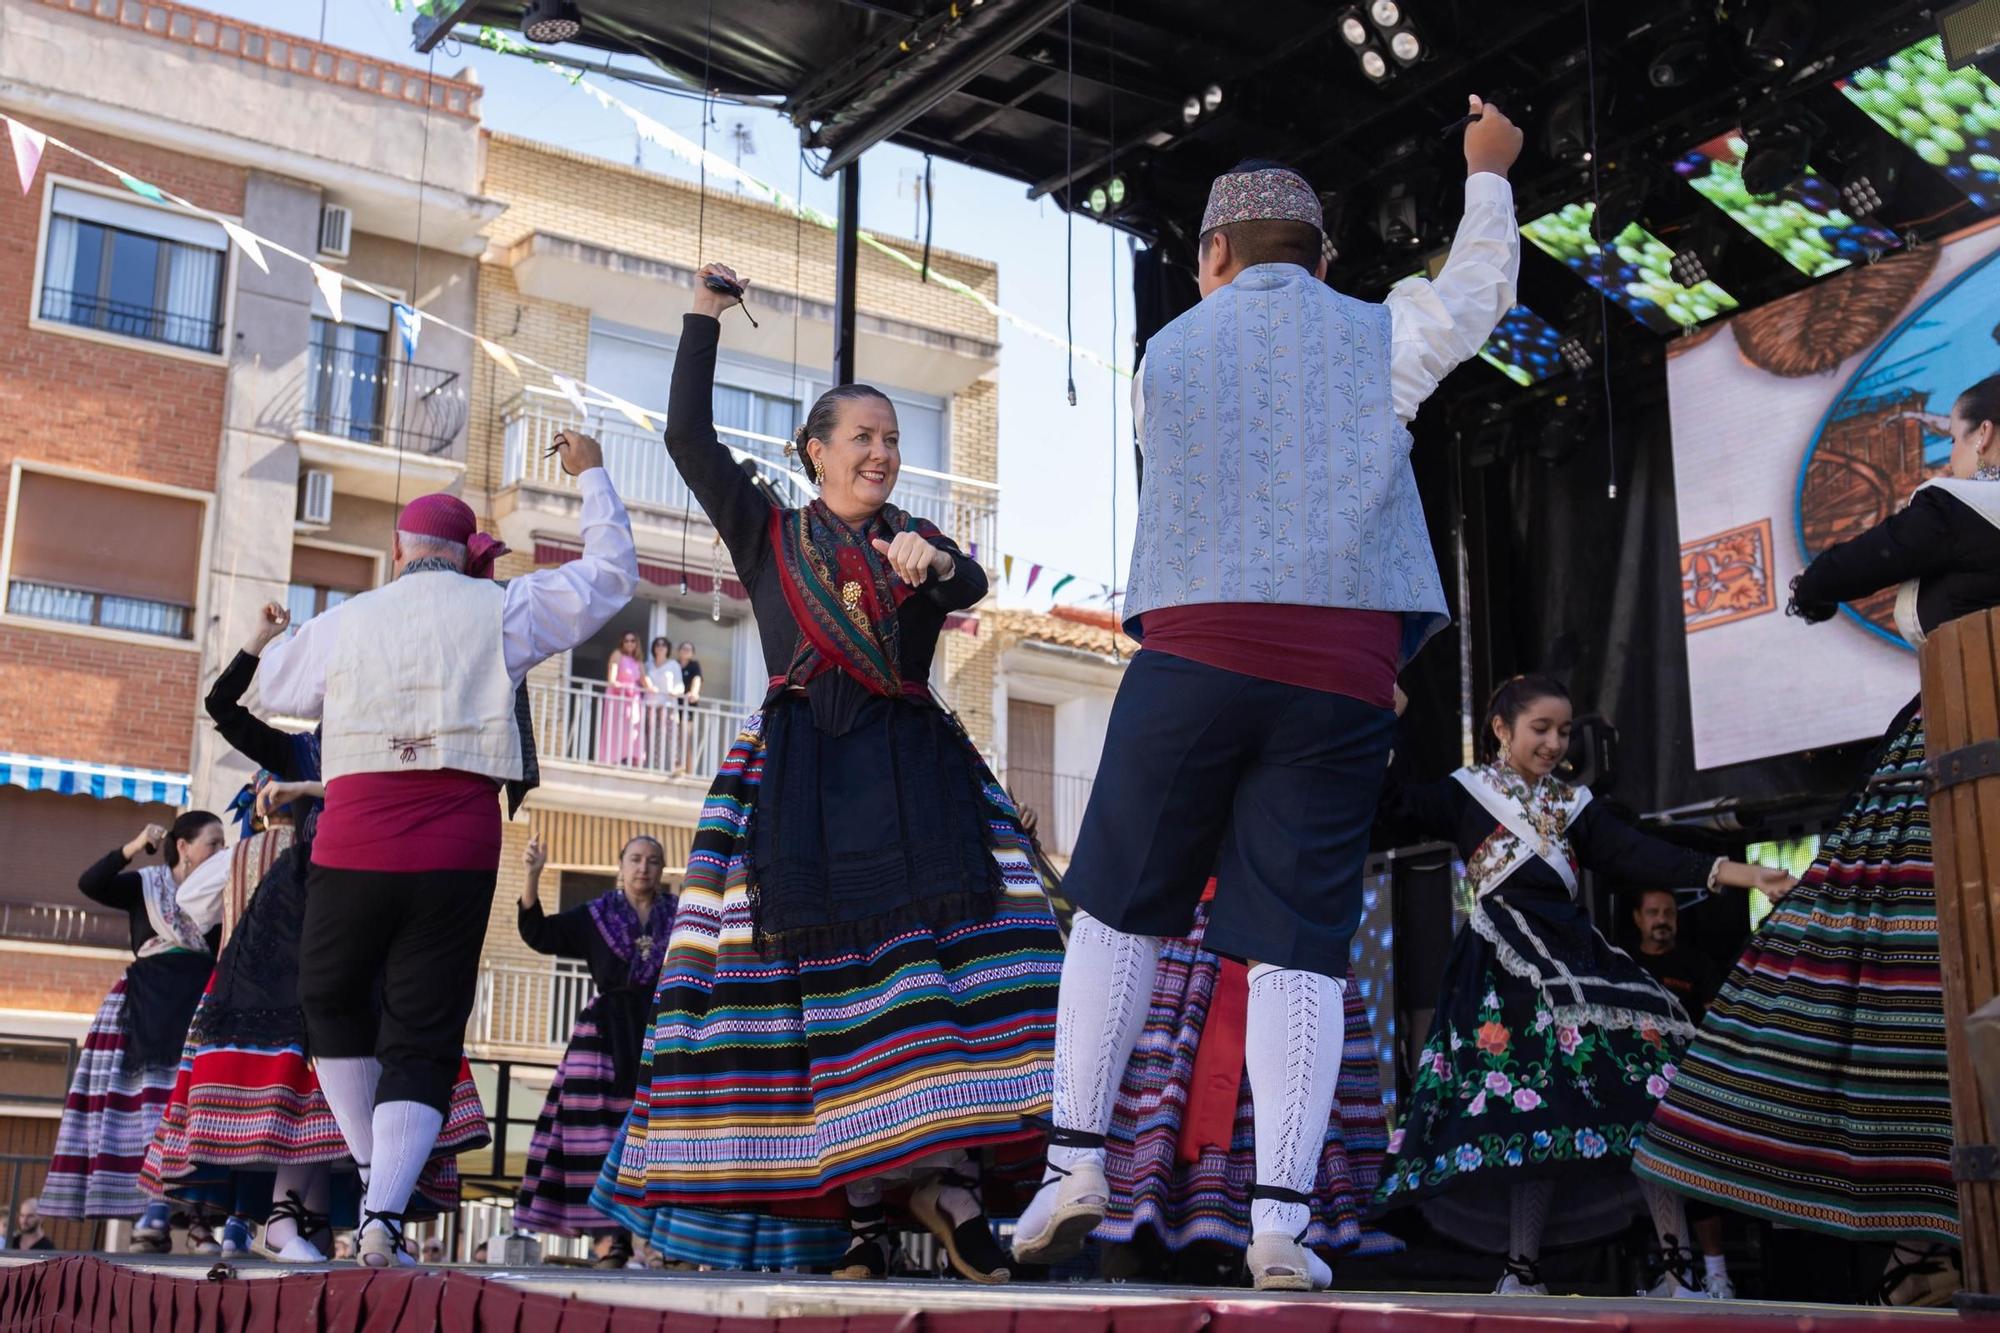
x,y
1061,583
1007,565
142,188
28,145
1034,572
329,287
246,241
503,357
409,324
567,387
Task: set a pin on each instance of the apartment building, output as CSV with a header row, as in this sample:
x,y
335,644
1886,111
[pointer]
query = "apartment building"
x,y
589,271
192,436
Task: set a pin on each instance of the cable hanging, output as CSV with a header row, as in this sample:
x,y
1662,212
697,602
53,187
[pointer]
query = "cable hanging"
x,y
1604,243
1069,193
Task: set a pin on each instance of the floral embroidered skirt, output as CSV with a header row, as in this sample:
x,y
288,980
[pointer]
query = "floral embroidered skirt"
x,y
1505,1093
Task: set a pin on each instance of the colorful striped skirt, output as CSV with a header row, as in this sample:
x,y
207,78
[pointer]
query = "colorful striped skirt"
x,y
1816,1093
246,1099
108,1119
1153,1185
772,1080
577,1129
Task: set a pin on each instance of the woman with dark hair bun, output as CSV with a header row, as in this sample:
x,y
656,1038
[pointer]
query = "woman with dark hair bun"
x,y
125,1072
1825,1049
859,993
1550,1047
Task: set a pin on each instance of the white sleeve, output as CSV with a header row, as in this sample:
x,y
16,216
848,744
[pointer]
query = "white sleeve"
x,y
1139,403
1435,324
553,610
291,673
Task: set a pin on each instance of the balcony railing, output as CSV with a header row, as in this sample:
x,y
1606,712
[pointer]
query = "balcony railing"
x,y
79,606
89,310
583,722
525,1005
966,510
1058,800
371,399
61,923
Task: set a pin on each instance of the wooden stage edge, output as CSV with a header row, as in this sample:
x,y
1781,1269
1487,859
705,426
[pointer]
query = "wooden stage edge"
x,y
764,1299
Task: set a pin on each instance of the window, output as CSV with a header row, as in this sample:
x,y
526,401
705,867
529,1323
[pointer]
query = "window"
x,y
347,375
323,578
98,553
50,838
758,413
749,395
135,271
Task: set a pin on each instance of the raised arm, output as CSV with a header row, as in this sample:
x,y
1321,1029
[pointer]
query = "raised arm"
x,y
1909,544
249,735
1439,323
109,884
553,610
739,511
566,933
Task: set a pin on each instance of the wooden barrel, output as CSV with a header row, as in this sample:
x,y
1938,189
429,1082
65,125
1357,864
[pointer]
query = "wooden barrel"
x,y
1961,678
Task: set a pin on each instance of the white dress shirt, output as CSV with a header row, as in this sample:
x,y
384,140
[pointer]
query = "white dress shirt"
x,y
1436,323
544,613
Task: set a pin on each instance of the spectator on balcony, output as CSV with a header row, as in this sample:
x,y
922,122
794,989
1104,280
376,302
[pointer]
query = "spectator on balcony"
x,y
418,683
666,685
861,935
690,696
248,1125
125,1072
31,1236
621,737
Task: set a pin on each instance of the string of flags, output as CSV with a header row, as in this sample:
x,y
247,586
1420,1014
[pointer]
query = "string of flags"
x,y
30,146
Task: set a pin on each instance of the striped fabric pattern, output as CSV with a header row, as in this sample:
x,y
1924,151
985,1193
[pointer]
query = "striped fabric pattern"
x,y
577,1128
1816,1092
108,1119
771,1080
1186,1203
73,777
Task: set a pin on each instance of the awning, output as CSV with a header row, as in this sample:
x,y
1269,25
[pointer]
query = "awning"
x,y
73,777
577,841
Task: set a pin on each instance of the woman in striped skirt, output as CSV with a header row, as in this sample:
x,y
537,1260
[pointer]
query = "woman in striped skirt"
x,y
126,1069
1816,1092
1180,1158
859,990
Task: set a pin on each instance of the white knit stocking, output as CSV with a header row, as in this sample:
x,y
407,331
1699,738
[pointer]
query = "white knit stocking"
x,y
1297,1024
1669,1211
349,1086
1107,983
405,1136
1527,1217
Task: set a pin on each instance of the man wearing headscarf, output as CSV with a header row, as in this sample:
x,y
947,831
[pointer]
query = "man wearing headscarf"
x,y
416,685
1281,577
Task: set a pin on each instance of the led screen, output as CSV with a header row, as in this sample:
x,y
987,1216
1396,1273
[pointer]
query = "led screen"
x,y
1793,854
1634,274
1802,222
1948,117
1523,347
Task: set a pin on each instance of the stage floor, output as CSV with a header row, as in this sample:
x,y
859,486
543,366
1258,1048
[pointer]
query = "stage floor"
x,y
784,1296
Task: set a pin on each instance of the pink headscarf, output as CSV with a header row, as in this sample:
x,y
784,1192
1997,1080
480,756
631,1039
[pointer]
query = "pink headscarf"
x,y
448,518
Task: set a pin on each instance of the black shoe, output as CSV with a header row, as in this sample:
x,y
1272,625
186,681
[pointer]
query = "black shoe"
x,y
969,1245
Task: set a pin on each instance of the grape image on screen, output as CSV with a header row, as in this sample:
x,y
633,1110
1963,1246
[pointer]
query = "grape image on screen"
x,y
1948,117
1802,222
1635,274
1523,347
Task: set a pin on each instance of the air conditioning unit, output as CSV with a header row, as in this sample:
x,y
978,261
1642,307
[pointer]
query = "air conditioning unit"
x,y
316,498
336,226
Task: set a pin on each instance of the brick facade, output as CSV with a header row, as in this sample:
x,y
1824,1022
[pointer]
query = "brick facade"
x,y
119,410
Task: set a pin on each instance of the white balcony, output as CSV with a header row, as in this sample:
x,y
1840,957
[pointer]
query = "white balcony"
x,y
526,1009
964,509
581,722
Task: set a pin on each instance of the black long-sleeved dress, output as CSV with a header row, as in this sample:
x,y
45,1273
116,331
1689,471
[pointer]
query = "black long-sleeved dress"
x,y
1550,1047
860,937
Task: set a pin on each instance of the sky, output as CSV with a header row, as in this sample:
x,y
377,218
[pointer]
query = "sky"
x,y
1056,461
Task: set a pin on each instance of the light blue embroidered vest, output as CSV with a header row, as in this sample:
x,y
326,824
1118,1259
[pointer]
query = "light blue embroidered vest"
x,y
1276,470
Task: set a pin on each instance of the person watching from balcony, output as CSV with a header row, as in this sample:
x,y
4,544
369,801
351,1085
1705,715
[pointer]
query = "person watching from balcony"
x,y
417,683
887,864
621,737
690,667
665,687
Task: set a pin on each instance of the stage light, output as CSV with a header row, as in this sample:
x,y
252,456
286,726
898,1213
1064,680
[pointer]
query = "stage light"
x,y
547,22
1866,177
1566,132
1396,221
1116,190
1352,30
1191,110
1575,354
1098,201
1969,31
1678,63
1386,13
1374,66
1776,153
1406,47
1688,268
1776,33
1211,97
1697,253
